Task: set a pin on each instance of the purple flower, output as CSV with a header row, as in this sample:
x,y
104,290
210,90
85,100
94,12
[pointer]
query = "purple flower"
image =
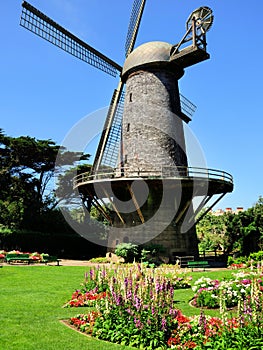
x,y
103,273
163,324
246,281
202,321
129,295
137,302
157,286
138,323
172,312
118,300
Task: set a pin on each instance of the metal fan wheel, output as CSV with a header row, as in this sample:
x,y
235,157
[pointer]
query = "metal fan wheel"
x,y
203,16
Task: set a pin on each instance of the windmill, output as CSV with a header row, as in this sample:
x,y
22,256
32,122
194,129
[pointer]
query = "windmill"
x,y
142,141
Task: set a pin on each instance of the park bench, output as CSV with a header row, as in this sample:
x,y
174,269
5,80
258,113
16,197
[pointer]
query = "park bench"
x,y
50,258
197,264
24,257
18,257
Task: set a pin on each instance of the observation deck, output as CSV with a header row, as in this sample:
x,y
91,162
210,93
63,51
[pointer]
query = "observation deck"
x,y
166,173
106,188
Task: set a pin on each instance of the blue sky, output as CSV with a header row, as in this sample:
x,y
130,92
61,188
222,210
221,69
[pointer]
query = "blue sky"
x,y
45,91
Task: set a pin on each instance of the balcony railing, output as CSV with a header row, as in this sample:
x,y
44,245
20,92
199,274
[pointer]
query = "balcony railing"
x,y
165,172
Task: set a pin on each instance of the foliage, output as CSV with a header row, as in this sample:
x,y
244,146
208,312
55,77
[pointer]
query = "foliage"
x,y
100,260
27,167
210,232
97,282
256,257
253,260
178,278
128,251
85,323
151,254
238,234
138,311
210,293
80,299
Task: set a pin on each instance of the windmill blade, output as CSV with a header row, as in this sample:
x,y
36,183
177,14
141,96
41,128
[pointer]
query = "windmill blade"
x,y
136,16
38,23
109,145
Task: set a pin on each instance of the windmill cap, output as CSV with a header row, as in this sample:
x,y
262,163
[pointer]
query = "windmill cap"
x,y
148,55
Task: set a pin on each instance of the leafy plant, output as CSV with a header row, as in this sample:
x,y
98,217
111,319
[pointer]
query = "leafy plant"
x,y
128,251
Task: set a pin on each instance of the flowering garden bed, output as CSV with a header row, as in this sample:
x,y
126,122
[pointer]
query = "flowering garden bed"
x,y
212,293
135,306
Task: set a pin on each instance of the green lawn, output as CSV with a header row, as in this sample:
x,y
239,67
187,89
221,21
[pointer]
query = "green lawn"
x,y
31,303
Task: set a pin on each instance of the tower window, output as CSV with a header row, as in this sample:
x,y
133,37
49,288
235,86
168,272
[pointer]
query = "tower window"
x,y
128,127
125,159
130,97
126,239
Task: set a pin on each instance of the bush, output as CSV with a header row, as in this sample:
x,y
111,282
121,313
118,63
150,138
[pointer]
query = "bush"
x,y
150,254
253,258
100,260
128,251
258,257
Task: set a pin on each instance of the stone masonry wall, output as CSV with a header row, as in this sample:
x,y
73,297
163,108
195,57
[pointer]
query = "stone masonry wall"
x,y
152,133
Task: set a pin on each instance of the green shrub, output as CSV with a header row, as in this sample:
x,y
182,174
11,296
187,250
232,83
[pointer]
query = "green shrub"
x,y
150,254
100,260
239,260
128,251
258,256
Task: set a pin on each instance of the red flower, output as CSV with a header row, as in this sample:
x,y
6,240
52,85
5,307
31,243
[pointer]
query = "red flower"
x,y
181,318
190,344
173,340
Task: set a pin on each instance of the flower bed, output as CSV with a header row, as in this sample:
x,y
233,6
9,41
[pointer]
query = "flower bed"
x,y
97,282
80,299
210,293
135,307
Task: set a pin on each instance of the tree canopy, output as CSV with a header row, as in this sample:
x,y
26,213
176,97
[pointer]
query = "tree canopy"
x,y
235,233
27,166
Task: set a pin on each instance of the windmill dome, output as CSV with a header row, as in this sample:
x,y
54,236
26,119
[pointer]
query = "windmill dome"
x,y
147,54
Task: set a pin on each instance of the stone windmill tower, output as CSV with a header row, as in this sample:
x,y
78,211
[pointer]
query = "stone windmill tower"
x,y
141,181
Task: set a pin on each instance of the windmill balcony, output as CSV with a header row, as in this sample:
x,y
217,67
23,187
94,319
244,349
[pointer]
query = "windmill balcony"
x,y
166,172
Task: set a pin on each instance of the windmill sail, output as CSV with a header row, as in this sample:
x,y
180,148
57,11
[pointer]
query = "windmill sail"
x,y
108,150
109,145
41,25
111,152
136,15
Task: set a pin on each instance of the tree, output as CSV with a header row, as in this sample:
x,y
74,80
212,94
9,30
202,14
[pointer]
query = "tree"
x,y
210,232
237,233
27,166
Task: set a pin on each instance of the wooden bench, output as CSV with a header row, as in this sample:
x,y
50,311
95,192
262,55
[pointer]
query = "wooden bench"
x,y
197,264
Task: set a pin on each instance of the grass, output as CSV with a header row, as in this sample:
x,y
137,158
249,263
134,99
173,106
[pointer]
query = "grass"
x,y
31,303
31,306
183,296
